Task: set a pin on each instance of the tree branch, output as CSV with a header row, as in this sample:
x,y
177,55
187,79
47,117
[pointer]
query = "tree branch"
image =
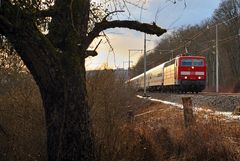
x,y
30,14
110,13
44,13
32,46
152,29
90,53
5,25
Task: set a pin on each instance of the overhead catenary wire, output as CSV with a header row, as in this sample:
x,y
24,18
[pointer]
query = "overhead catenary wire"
x,y
195,36
221,41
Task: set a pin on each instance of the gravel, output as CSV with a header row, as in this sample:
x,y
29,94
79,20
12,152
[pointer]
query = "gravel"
x,y
216,102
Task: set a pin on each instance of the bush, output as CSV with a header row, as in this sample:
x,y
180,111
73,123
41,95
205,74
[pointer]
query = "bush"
x,y
22,120
110,100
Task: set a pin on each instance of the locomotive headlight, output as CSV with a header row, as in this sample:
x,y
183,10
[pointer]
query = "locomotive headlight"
x,y
185,77
199,77
192,67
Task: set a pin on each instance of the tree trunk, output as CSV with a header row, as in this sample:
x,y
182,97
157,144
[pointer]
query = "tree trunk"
x,y
56,62
69,135
61,80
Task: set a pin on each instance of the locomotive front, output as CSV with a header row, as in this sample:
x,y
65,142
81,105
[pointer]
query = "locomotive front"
x,y
191,73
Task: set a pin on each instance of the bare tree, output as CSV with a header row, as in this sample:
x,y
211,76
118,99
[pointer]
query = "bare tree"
x,y
56,61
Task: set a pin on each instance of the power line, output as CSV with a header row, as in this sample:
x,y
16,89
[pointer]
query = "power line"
x,y
194,37
206,49
197,35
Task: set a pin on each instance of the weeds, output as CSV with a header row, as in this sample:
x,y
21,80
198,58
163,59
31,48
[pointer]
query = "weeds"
x,y
22,119
159,135
210,139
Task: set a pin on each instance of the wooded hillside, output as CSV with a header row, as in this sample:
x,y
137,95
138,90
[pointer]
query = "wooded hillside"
x,y
201,40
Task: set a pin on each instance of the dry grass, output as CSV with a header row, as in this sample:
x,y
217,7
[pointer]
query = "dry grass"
x,y
110,100
22,120
208,139
154,136
158,132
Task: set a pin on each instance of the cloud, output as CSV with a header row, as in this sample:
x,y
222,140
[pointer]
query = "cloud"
x,y
121,40
167,15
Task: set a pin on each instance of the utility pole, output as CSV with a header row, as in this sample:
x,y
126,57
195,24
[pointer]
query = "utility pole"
x,y
128,64
129,59
124,62
217,60
145,65
217,54
124,69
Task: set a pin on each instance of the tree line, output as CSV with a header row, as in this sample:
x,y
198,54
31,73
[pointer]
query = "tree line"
x,y
200,39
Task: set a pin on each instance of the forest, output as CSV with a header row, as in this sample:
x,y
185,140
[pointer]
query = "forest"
x,y
200,39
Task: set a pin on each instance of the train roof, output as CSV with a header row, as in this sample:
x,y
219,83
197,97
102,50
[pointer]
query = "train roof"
x,y
141,75
190,56
162,65
157,67
148,71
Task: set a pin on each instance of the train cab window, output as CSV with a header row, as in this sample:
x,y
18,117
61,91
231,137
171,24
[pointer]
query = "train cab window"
x,y
186,62
198,62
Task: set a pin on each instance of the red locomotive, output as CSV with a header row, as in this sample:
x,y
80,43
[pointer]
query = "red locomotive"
x,y
181,74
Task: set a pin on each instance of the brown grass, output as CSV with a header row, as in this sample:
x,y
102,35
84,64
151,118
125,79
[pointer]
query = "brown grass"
x,y
22,120
157,132
110,100
154,136
207,139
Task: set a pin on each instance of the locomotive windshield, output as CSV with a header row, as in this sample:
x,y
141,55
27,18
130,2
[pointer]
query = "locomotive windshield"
x,y
198,62
192,62
186,62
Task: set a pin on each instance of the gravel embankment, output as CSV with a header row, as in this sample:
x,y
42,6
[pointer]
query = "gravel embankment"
x,y
216,102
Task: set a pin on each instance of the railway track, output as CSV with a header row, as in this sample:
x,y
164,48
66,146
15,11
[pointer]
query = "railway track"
x,y
226,116
210,102
218,94
225,102
201,93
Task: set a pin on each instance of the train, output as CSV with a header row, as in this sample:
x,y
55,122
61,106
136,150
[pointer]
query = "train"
x,y
182,74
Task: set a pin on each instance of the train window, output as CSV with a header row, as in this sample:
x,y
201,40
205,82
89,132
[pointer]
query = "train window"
x,y
198,62
186,62
160,75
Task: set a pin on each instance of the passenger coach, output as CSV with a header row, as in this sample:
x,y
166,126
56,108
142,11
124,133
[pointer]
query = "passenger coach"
x,y
181,74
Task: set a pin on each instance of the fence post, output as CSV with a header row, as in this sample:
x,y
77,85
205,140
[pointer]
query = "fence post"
x,y
236,110
187,111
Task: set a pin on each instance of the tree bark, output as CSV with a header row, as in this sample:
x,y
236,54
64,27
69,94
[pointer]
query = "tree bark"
x,y
61,80
67,117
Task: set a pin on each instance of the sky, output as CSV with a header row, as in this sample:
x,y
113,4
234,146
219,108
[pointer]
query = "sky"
x,y
164,13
